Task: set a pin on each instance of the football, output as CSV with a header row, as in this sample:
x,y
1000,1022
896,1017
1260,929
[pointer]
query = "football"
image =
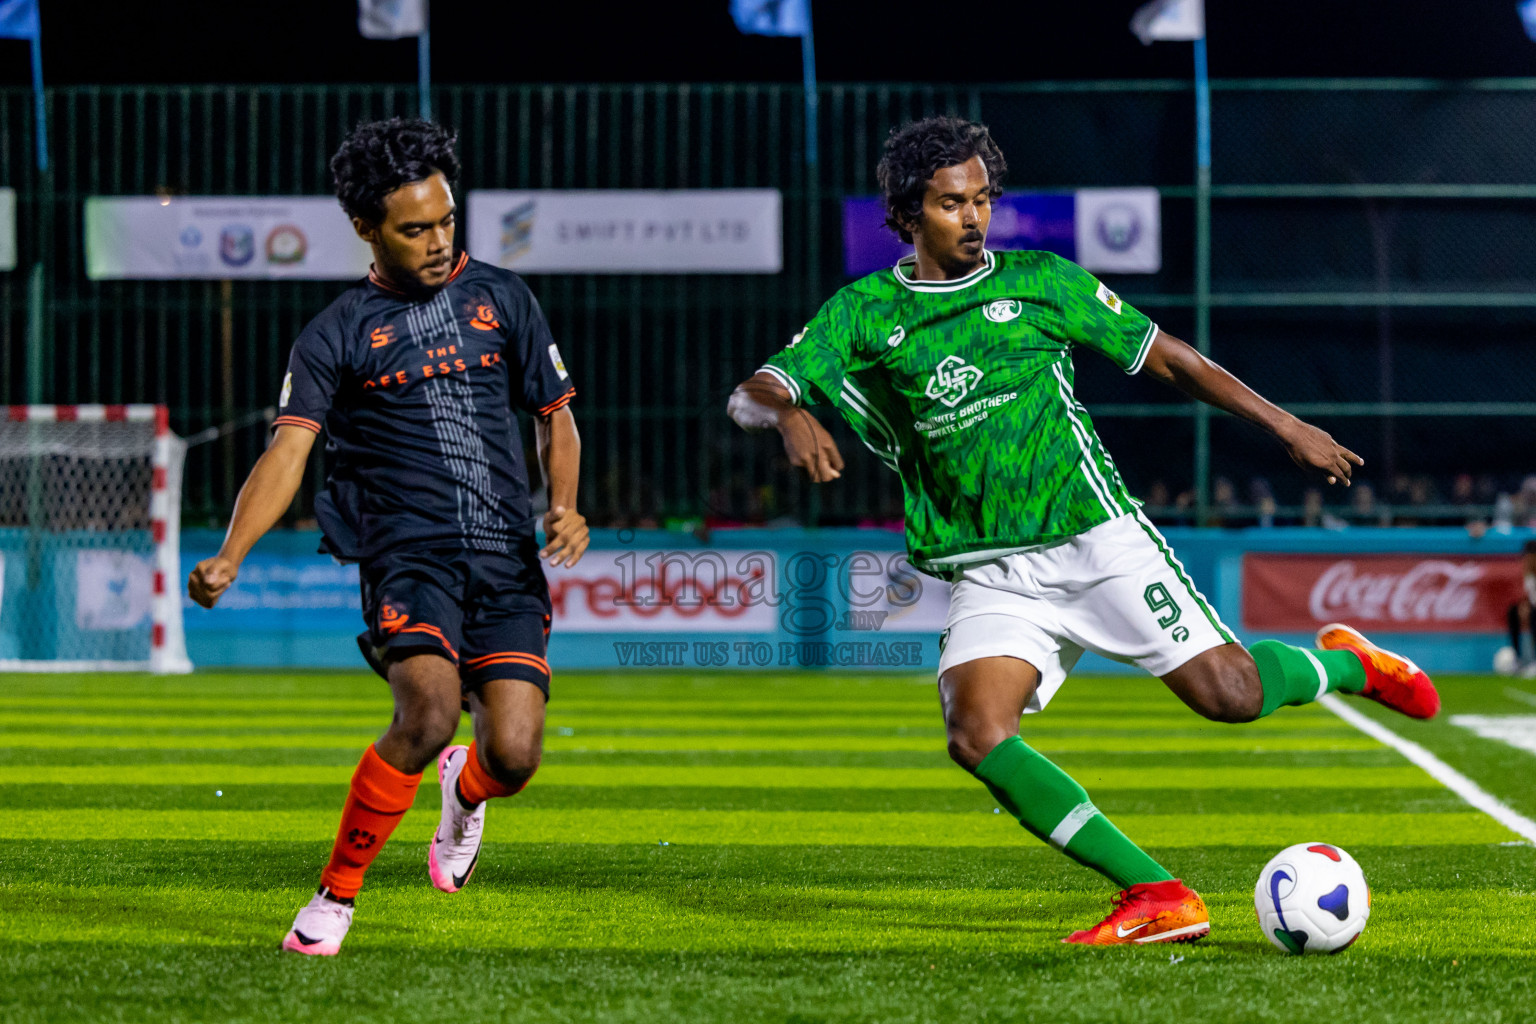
x,y
1312,898
1506,662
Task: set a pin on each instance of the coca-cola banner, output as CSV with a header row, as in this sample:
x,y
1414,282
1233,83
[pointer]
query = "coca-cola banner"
x,y
1390,593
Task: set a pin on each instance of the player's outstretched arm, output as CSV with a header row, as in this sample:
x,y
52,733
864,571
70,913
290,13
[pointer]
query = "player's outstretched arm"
x,y
1312,448
761,402
267,493
565,529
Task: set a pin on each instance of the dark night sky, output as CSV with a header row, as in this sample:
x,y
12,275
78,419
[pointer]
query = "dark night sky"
x,y
91,41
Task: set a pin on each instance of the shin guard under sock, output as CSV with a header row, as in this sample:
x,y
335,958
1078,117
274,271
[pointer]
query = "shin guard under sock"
x,y
1053,807
1295,675
379,797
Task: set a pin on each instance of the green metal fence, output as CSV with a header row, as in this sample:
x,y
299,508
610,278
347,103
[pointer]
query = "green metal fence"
x,y
1371,261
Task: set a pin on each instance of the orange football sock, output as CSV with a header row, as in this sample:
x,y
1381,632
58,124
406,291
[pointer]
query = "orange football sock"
x,y
476,785
380,795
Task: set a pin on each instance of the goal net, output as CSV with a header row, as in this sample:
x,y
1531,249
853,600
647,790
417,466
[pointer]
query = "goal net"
x,y
90,514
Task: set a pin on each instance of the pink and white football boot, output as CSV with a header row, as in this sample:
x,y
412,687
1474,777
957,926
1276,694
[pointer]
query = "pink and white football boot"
x,y
455,846
320,926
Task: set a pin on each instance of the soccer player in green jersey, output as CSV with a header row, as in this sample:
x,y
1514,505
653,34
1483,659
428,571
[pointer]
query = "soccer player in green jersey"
x,y
955,367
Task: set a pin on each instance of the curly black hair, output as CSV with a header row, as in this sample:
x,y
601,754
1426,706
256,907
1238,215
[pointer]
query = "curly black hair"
x,y
380,156
917,151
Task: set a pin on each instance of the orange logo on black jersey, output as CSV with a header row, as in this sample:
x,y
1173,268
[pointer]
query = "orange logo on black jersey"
x,y
382,336
484,319
391,619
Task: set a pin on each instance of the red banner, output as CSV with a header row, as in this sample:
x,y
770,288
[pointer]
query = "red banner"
x,y
1389,593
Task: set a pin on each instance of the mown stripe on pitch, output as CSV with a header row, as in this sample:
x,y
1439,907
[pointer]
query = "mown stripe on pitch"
x,y
1069,700
927,724
648,827
86,927
1073,762
1138,746
737,777
1114,802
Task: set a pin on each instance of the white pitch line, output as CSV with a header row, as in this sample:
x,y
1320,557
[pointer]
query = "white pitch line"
x,y
1437,769
1520,695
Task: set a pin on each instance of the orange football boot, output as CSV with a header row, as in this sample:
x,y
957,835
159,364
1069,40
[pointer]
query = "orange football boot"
x,y
1150,912
1390,679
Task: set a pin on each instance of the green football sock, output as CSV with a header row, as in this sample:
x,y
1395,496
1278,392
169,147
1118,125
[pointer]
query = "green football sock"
x,y
1056,809
1294,675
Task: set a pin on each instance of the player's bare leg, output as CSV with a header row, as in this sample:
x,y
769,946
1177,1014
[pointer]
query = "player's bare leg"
x,y
426,691
427,709
1221,684
983,700
509,741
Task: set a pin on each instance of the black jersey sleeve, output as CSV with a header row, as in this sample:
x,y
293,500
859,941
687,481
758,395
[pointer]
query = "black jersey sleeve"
x,y
546,383
310,385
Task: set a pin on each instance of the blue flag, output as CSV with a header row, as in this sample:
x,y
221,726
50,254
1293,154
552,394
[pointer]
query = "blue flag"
x,y
768,17
1528,18
18,19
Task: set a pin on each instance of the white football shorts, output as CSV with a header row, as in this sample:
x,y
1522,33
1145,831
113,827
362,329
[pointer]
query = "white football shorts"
x,y
1116,590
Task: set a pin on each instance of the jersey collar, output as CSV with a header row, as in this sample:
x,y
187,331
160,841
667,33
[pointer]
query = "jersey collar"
x,y
988,264
378,282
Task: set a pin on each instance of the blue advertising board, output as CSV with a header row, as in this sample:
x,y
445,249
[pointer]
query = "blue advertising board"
x,y
756,598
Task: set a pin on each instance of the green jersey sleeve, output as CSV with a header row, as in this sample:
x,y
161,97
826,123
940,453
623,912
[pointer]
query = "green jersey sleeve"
x,y
812,366
1097,317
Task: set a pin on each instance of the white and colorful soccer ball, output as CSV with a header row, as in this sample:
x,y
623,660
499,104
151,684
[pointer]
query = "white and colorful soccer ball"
x,y
1312,898
1506,661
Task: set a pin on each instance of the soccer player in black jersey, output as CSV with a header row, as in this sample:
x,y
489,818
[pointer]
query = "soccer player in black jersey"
x,y
413,374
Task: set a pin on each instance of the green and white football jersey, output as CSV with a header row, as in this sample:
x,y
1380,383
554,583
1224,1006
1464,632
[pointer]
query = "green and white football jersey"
x,y
964,387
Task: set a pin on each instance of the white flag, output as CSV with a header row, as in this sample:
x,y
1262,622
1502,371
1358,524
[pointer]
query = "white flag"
x,y
391,19
1169,19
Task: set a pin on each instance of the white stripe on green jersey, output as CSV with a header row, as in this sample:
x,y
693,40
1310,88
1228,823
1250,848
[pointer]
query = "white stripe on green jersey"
x,y
964,387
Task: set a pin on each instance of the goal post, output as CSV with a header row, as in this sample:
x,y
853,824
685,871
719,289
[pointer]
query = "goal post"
x,y
90,523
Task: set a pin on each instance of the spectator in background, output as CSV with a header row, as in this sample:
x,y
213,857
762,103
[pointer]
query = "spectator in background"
x,y
1312,507
1362,501
1463,490
1517,658
1223,502
1503,513
1263,499
1523,505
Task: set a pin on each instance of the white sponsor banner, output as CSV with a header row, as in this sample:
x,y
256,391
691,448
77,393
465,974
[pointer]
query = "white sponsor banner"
x,y
218,237
886,594
113,589
711,231
1119,230
656,591
391,19
7,229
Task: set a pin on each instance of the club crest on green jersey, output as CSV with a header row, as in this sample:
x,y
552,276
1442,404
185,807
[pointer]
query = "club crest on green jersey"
x,y
952,380
1003,310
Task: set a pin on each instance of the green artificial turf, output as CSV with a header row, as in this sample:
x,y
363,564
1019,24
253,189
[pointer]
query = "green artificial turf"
x,y
789,847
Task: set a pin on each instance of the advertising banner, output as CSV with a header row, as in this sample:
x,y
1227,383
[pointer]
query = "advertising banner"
x,y
7,229
221,237
705,231
113,589
1113,230
649,591
1389,593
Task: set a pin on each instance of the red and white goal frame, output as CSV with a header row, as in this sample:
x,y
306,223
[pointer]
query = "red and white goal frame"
x,y
145,437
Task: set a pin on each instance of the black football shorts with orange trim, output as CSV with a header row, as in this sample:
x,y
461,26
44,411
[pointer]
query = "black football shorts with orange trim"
x,y
487,612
